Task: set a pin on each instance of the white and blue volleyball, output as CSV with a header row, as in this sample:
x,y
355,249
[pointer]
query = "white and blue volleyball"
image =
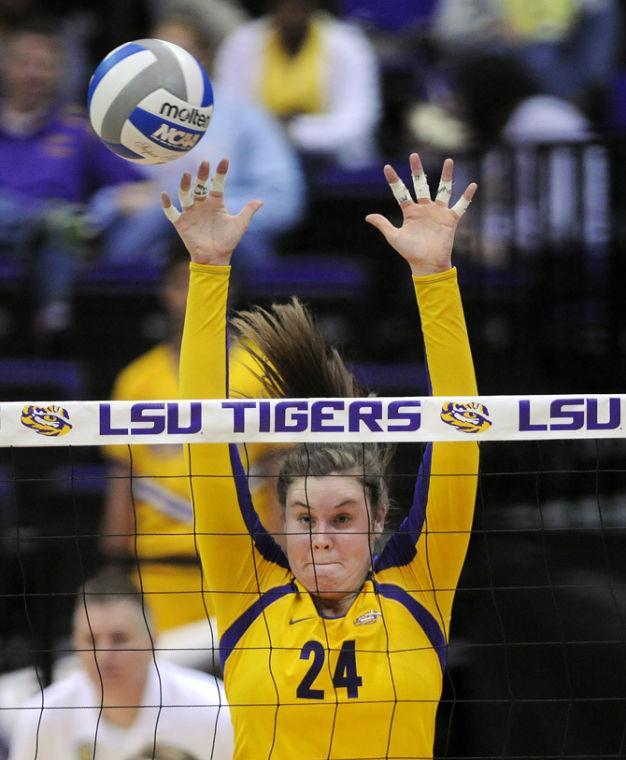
x,y
150,101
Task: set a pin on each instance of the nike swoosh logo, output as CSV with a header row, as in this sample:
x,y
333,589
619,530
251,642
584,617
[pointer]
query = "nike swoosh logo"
x,y
293,621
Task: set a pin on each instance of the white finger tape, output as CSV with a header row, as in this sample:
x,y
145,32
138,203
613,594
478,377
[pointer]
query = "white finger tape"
x,y
217,183
201,189
400,192
420,183
172,213
185,198
461,206
444,191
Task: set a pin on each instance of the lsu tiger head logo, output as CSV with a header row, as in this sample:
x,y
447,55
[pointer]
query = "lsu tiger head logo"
x,y
49,420
469,417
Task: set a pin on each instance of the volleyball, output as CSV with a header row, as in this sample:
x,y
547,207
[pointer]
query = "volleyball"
x,y
150,101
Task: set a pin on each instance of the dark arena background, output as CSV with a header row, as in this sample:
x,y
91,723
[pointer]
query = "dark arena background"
x,y
537,659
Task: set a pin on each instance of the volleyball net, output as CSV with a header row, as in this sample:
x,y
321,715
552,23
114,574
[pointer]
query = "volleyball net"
x,y
536,661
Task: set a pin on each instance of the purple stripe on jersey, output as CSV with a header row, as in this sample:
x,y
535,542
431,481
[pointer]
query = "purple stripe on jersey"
x,y
426,621
233,634
263,541
401,547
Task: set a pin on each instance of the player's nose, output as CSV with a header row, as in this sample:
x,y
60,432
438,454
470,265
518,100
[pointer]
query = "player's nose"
x,y
322,538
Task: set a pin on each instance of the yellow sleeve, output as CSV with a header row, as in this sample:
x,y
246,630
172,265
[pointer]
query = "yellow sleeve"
x,y
236,567
428,552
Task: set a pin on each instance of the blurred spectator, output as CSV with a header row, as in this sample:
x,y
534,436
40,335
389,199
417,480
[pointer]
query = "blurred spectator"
x,y
149,519
74,25
545,185
316,73
121,704
569,46
218,18
501,100
50,164
263,165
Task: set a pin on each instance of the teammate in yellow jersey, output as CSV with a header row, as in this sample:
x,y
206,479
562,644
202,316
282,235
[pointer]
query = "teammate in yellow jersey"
x,y
330,649
150,515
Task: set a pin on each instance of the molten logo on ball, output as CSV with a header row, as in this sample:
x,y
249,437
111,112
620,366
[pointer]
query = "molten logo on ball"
x,y
47,420
469,417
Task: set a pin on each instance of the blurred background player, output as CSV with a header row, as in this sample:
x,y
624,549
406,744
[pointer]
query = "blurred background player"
x,y
149,519
217,17
120,704
318,74
266,166
50,166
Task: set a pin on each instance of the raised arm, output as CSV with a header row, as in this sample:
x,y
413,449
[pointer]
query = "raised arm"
x,y
210,234
428,551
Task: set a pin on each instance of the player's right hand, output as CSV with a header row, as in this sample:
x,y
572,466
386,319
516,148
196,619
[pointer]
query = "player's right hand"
x,y
208,231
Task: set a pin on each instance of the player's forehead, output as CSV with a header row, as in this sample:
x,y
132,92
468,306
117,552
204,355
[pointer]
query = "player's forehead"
x,y
97,617
326,491
29,42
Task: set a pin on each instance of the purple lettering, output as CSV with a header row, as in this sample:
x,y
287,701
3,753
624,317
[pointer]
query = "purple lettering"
x,y
239,413
264,417
524,418
297,416
368,412
614,415
412,419
173,418
105,422
140,413
559,410
323,412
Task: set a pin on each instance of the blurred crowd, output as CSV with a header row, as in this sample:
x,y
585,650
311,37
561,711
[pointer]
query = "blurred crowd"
x,y
300,84
304,90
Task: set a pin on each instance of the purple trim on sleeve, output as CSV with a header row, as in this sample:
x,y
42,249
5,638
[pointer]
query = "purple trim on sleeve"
x,y
233,634
401,547
263,541
265,544
426,621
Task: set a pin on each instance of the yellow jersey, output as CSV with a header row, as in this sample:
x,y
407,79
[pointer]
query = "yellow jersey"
x,y
164,543
367,684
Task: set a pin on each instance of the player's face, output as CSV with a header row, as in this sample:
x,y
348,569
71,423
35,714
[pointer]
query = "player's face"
x,y
31,70
113,646
329,529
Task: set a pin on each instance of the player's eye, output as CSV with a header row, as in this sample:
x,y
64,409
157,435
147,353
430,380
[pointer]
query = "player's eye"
x,y
343,519
304,519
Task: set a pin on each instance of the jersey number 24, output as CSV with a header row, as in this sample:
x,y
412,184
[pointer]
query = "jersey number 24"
x,y
345,675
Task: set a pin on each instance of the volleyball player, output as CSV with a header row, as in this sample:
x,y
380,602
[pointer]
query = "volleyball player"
x,y
329,650
148,518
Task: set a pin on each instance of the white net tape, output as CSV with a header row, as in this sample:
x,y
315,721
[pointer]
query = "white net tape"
x,y
406,419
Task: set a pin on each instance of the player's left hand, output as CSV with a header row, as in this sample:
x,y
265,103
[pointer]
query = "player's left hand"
x,y
208,231
427,234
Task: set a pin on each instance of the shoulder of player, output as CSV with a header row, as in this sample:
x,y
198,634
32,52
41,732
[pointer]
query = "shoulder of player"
x,y
249,32
180,683
338,31
140,370
65,691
